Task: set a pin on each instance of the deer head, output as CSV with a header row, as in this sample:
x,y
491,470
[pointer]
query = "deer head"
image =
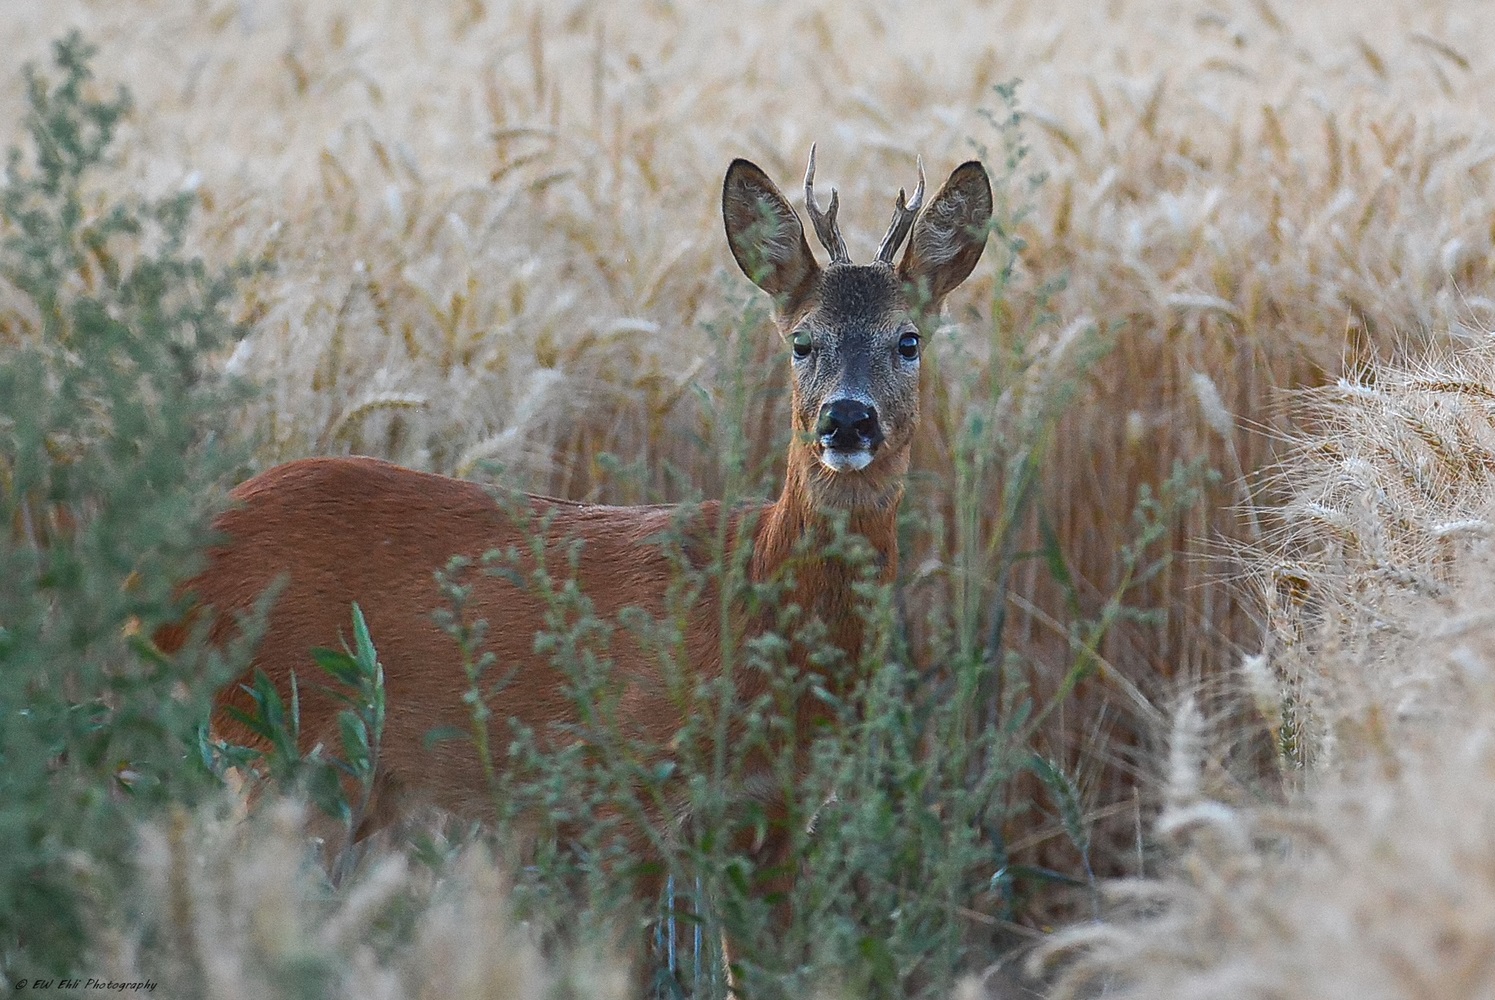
x,y
855,331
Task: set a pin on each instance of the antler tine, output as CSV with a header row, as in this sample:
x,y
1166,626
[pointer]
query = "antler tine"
x,y
903,219
825,223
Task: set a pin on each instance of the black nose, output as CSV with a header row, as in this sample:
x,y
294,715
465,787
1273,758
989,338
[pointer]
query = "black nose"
x,y
846,424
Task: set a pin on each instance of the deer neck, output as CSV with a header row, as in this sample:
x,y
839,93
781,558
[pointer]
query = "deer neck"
x,y
794,531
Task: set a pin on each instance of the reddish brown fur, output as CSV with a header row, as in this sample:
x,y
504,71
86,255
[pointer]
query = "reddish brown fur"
x,y
340,530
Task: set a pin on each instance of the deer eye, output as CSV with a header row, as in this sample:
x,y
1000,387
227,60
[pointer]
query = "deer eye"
x,y
802,344
908,346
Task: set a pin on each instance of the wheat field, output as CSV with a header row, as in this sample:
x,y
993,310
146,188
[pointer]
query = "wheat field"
x,y
1374,877
495,236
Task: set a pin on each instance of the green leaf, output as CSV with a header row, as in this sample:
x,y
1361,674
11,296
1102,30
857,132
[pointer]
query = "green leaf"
x,y
355,738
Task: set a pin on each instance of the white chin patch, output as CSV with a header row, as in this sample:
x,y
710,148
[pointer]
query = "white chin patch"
x,y
845,461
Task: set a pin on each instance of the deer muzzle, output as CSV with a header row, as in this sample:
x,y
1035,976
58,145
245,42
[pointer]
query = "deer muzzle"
x,y
849,433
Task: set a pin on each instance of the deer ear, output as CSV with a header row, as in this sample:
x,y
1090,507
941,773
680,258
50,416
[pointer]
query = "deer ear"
x,y
950,236
765,234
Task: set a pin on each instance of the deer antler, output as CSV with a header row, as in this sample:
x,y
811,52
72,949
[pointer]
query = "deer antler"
x,y
903,219
825,223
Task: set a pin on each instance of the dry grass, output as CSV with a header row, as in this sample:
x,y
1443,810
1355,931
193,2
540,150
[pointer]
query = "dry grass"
x,y
1387,498
1379,884
1376,877
242,909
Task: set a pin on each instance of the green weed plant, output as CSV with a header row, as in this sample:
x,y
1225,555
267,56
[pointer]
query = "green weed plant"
x,y
112,456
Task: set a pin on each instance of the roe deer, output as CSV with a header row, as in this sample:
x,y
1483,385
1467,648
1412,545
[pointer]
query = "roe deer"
x,y
340,530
